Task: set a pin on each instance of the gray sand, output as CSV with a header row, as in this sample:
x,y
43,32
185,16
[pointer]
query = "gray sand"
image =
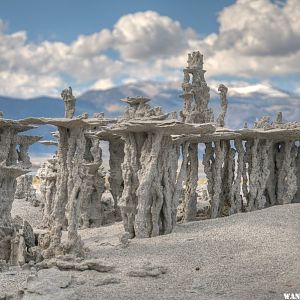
x,y
244,256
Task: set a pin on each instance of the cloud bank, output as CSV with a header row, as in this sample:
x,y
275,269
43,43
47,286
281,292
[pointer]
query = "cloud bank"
x,y
256,38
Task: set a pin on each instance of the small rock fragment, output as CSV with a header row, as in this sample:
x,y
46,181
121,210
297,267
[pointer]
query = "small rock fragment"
x,y
148,270
97,265
124,239
107,281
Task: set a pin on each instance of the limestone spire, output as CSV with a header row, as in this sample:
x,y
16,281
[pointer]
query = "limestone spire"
x,y
195,91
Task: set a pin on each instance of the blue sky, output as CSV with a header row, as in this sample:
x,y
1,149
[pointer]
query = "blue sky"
x,y
65,20
47,45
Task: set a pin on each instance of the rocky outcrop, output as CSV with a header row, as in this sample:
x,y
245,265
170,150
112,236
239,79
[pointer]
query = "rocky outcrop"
x,y
25,190
93,181
224,104
69,101
214,164
195,110
48,175
246,170
15,162
73,182
148,270
191,183
156,210
150,196
68,188
195,92
23,243
116,158
251,169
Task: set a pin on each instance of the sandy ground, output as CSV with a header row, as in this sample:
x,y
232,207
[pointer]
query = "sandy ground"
x,y
244,256
28,212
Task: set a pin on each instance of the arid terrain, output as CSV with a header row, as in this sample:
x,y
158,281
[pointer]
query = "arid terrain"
x,y
245,256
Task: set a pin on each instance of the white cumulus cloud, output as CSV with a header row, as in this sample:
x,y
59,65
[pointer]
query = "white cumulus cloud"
x,y
102,84
145,35
256,38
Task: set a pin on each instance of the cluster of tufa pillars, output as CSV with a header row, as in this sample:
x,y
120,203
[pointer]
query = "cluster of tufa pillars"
x,y
14,162
250,173
153,166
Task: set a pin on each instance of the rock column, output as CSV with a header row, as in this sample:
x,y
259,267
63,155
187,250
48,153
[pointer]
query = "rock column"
x,y
12,166
150,196
116,158
71,149
195,110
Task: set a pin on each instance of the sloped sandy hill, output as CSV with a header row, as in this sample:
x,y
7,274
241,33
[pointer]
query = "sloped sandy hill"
x,y
245,256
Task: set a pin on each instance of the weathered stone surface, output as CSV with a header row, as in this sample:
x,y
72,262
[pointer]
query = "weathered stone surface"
x,y
49,284
47,174
69,101
108,203
107,281
15,162
97,265
73,263
116,158
69,158
195,110
148,270
195,93
224,104
25,189
5,243
267,170
28,233
191,182
150,196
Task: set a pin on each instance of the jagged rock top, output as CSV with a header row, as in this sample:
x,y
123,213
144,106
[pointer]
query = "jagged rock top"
x,y
135,100
265,123
139,109
274,133
27,139
139,116
195,60
262,129
67,122
16,124
220,134
13,170
167,127
245,133
49,143
102,134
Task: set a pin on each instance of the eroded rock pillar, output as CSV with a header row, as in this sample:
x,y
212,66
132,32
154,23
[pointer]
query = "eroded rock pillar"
x,y
196,95
69,159
156,211
116,158
130,167
287,179
12,165
48,175
236,202
190,196
93,181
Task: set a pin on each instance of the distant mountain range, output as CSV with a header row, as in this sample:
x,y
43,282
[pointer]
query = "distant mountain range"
x,y
246,104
